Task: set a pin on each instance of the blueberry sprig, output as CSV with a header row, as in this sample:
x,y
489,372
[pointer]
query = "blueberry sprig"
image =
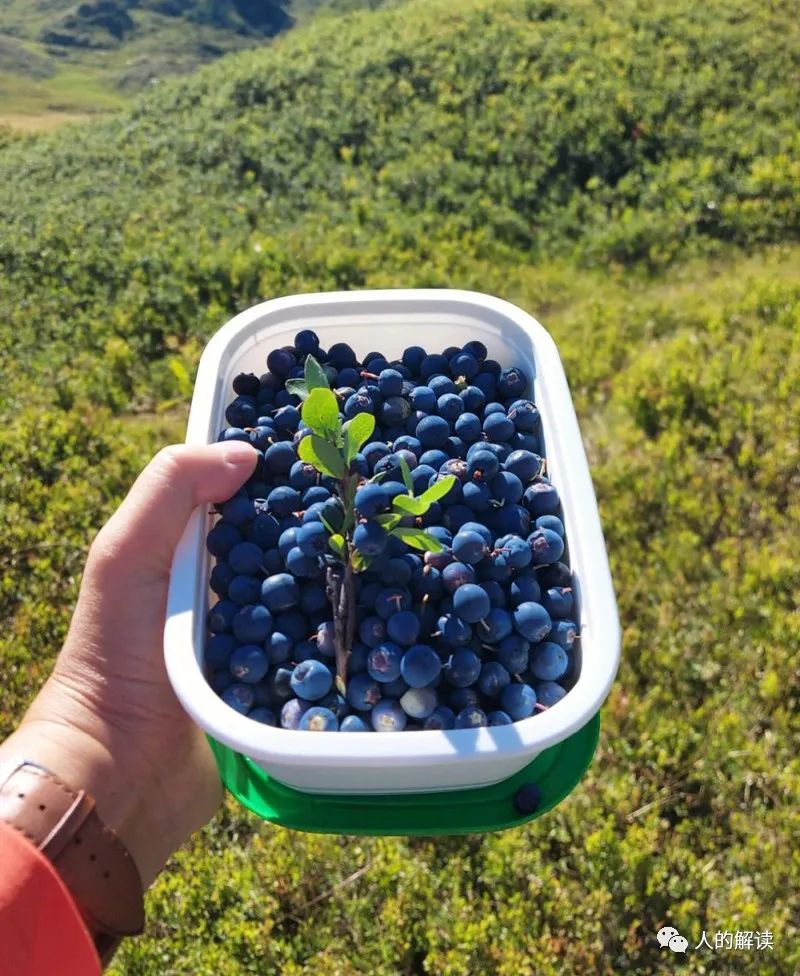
x,y
330,445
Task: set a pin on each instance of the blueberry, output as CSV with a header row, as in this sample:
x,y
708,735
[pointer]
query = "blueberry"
x,y
549,693
306,342
283,501
456,575
558,601
511,519
468,427
518,700
239,511
460,698
469,547
222,538
412,358
280,592
525,589
252,624
471,717
433,431
311,680
496,594
390,383
220,616
498,427
392,599
278,647
432,364
280,361
547,546
463,668
249,663
263,715
497,625
218,650
541,498
326,632
492,679
455,632
471,603
245,558
563,633
532,621
371,500
383,662
420,666
450,406
388,716
312,539
246,384
441,718
512,653
552,522
477,496
419,702
245,589
242,412
517,552
493,719
524,464
464,365
279,458
298,564
527,799
220,579
525,415
239,696
403,628
363,692
279,685
353,723
482,465
318,719
512,382
293,711
369,538
264,531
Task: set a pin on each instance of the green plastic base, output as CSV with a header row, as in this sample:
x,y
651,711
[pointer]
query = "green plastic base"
x,y
557,771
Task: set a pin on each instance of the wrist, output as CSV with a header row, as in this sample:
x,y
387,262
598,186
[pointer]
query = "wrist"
x,y
84,763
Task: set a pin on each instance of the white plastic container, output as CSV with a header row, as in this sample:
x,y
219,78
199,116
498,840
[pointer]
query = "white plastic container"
x,y
389,321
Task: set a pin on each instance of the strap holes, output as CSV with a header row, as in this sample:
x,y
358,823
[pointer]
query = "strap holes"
x,y
92,857
106,874
42,806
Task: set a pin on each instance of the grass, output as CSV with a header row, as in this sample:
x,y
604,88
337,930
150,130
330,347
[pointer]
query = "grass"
x,y
640,199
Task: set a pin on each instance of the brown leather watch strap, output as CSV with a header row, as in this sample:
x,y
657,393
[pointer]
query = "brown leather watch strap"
x,y
92,861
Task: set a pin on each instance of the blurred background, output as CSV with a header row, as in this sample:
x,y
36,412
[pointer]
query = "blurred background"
x,y
627,172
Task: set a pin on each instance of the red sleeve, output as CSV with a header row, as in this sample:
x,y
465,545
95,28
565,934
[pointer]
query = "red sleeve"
x,y
41,930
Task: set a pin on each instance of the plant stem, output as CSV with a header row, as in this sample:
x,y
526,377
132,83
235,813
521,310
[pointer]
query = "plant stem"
x,y
342,596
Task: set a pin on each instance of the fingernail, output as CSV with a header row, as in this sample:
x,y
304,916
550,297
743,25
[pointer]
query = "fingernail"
x,y
238,453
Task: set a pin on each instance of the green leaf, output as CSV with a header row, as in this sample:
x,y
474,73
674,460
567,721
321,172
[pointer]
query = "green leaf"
x,y
418,539
336,542
356,432
414,506
327,524
389,521
315,375
406,471
324,456
376,478
321,413
438,489
298,387
360,563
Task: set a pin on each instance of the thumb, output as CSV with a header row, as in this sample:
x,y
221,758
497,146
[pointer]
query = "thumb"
x,y
139,539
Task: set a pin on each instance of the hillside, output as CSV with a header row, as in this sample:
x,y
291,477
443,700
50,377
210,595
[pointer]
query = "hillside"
x,y
60,60
629,174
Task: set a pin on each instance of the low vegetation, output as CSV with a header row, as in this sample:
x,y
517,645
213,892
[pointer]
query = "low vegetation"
x,y
629,176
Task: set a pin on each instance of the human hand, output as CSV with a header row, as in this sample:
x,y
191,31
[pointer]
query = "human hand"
x,y
107,720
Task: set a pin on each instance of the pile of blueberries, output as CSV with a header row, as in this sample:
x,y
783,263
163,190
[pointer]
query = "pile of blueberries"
x,y
478,634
